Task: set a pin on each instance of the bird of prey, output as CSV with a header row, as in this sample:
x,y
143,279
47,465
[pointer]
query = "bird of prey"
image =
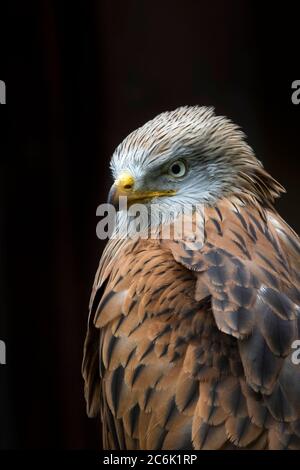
x,y
192,345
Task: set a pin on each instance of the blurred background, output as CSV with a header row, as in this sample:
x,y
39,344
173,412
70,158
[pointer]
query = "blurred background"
x,y
80,76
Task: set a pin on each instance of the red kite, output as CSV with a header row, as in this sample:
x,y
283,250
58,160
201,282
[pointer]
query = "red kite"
x,y
192,346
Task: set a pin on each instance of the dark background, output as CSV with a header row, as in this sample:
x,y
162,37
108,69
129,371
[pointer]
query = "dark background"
x,y
80,76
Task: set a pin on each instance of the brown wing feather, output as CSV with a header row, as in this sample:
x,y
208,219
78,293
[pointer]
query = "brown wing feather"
x,y
141,381
249,264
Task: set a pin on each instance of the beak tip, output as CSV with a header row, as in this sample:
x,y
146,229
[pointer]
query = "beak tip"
x,y
112,199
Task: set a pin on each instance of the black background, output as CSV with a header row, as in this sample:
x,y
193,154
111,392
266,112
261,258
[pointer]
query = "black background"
x,y
80,76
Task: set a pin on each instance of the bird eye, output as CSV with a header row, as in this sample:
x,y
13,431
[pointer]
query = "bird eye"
x,y
177,169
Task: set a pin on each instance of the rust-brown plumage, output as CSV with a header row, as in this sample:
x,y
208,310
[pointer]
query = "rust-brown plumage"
x,y
194,346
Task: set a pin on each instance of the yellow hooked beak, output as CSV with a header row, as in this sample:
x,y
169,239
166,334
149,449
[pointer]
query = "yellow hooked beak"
x,y
124,186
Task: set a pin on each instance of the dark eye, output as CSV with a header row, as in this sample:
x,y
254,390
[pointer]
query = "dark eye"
x,y
177,169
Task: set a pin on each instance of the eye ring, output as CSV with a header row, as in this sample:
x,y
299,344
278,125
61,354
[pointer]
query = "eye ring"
x,y
177,169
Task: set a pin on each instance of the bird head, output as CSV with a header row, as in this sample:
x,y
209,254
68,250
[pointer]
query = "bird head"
x,y
188,156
